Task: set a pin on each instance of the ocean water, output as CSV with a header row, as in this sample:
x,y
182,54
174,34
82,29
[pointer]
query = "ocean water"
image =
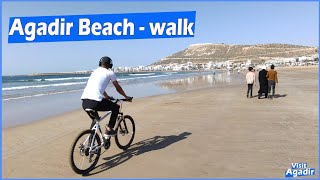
x,y
17,87
26,99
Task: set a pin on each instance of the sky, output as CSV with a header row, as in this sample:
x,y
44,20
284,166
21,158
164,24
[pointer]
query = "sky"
x,y
216,22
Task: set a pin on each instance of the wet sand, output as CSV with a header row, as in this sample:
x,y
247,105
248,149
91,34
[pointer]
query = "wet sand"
x,y
214,132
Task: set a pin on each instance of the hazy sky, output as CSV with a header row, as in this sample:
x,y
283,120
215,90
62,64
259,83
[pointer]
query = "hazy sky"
x,y
216,22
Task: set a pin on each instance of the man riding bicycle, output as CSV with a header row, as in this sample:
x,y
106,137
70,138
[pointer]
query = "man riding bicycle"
x,y
94,95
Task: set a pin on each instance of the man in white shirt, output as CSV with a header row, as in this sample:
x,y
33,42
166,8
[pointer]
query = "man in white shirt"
x,y
94,95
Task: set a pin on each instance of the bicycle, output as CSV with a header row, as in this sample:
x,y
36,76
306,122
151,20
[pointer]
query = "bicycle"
x,y
90,148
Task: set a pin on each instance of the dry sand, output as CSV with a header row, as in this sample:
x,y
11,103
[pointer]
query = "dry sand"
x,y
214,132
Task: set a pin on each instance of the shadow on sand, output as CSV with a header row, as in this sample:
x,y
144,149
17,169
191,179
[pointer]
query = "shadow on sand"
x,y
275,96
279,95
151,144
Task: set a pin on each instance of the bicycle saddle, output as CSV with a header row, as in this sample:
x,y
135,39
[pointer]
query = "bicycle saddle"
x,y
92,113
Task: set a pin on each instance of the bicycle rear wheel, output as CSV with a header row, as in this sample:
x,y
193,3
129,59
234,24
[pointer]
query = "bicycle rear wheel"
x,y
81,160
125,132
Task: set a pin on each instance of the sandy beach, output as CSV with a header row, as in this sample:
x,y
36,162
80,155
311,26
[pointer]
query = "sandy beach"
x,y
214,132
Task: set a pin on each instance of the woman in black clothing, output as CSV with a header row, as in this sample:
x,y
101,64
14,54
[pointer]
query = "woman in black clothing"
x,y
263,81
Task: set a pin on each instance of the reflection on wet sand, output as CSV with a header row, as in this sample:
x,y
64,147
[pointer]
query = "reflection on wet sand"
x,y
208,80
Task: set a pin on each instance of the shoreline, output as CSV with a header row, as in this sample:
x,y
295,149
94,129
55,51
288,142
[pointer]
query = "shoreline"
x,y
45,106
219,130
88,73
16,91
135,99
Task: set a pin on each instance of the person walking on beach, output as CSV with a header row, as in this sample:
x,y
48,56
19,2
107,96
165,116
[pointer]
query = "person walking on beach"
x,y
250,79
272,76
95,97
263,82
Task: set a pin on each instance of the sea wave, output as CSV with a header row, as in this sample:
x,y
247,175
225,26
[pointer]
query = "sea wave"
x,y
142,74
41,94
63,79
31,80
72,83
124,79
171,72
41,86
60,84
45,79
22,80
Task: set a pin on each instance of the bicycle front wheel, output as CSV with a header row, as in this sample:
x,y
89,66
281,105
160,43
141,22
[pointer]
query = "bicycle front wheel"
x,y
125,132
82,159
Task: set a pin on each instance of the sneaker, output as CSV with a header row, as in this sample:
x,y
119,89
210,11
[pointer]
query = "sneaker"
x,y
111,132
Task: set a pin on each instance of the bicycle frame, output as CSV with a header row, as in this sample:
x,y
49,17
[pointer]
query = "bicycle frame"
x,y
96,127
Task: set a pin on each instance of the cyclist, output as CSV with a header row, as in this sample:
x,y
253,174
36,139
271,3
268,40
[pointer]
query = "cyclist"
x,y
95,97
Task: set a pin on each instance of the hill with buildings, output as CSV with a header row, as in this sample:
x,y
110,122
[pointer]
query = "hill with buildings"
x,y
203,53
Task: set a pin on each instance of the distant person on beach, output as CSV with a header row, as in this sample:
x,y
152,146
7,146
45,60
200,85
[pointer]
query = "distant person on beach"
x,y
94,95
272,76
250,79
263,82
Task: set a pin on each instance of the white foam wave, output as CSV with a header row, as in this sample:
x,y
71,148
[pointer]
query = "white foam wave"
x,y
124,79
41,86
63,79
171,72
142,74
42,94
73,83
30,80
54,79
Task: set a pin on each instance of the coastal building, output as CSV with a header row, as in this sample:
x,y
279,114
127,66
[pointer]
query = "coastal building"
x,y
231,64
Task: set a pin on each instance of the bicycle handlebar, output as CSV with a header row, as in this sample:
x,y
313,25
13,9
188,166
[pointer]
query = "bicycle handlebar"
x,y
113,99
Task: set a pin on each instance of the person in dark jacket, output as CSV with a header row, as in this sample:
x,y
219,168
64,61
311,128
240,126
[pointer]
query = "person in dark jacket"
x,y
263,81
